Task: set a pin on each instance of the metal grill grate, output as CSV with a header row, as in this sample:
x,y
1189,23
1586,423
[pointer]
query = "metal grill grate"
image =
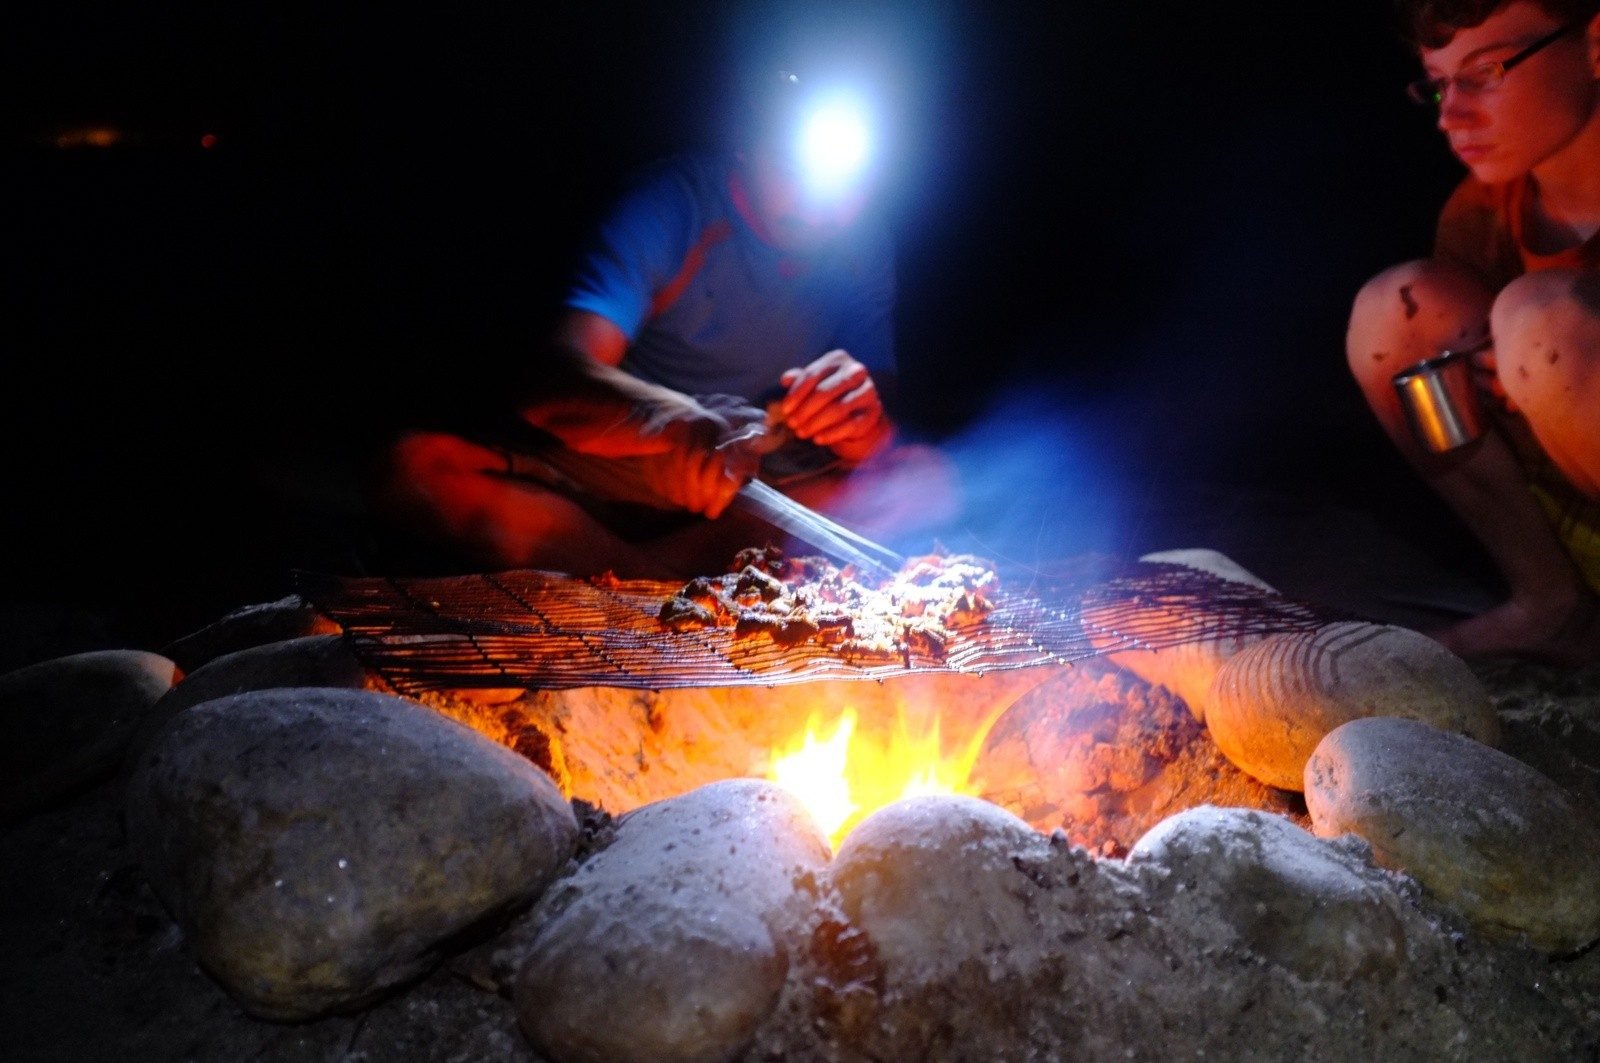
x,y
543,630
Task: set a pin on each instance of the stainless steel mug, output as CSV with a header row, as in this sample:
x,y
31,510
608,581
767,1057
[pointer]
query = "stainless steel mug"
x,y
1440,401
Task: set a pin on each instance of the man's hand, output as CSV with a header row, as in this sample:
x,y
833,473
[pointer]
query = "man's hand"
x,y
703,479
700,481
833,403
673,449
664,443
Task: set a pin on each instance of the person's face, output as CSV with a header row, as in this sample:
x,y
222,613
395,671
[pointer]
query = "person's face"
x,y
1536,110
795,219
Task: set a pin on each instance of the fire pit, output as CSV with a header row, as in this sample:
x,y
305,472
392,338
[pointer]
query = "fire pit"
x,y
1060,860
605,687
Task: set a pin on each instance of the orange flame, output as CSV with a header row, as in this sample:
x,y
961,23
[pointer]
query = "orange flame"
x,y
843,778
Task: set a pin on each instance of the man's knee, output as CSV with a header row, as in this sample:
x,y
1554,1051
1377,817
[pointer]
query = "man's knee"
x,y
1547,333
1557,304
423,455
1412,311
420,472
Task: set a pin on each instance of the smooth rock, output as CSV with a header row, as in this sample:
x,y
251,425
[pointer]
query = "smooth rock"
x,y
1212,561
1189,668
1286,895
311,661
320,847
673,942
65,723
290,617
1274,701
1482,831
940,882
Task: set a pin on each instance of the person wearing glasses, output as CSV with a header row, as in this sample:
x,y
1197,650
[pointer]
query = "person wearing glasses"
x,y
730,317
1514,278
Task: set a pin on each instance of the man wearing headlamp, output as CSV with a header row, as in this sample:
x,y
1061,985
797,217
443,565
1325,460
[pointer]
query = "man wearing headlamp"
x,y
728,317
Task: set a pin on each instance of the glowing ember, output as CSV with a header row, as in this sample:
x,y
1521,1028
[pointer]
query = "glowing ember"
x,y
844,777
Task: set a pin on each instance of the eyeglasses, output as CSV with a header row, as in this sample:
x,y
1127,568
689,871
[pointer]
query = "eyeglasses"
x,y
1485,77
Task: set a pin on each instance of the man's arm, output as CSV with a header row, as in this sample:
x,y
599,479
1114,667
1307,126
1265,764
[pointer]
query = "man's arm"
x,y
583,399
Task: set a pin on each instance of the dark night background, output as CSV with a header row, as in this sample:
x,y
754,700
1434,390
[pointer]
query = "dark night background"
x,y
1129,237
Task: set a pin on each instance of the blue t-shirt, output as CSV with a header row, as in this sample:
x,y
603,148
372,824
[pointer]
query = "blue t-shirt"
x,y
708,308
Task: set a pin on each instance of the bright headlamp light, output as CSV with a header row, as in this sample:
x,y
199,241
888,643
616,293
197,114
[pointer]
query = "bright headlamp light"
x,y
833,145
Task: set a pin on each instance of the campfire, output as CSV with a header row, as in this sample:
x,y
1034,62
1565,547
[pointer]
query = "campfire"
x,y
811,804
757,672
841,776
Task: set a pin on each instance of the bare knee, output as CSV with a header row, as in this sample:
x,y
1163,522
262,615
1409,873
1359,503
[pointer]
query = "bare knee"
x,y
457,493
1535,299
1410,312
426,477
1547,354
1547,335
423,455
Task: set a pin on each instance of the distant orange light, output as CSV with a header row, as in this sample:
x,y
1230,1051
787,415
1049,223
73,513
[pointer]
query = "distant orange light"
x,y
89,137
208,141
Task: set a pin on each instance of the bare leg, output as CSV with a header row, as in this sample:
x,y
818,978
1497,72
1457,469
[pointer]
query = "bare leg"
x,y
457,494
1412,312
1547,336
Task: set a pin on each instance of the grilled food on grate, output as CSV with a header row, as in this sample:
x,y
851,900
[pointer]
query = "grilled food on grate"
x,y
795,600
941,612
